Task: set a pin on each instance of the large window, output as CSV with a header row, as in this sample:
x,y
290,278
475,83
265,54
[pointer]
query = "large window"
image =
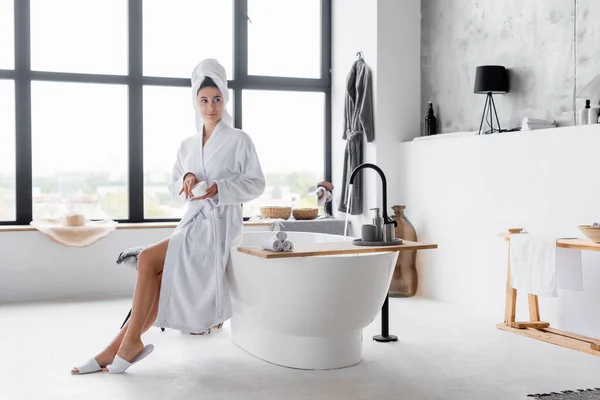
x,y
95,100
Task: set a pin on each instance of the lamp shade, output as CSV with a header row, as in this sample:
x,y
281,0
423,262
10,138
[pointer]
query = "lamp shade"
x,y
491,79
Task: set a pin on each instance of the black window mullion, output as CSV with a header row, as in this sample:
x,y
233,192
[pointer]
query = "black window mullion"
x,y
326,42
326,77
23,112
240,56
136,134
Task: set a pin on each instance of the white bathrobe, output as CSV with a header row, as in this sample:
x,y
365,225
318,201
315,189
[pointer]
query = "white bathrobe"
x,y
195,295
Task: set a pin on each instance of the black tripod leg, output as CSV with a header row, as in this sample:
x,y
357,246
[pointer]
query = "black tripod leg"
x,y
485,106
126,319
495,112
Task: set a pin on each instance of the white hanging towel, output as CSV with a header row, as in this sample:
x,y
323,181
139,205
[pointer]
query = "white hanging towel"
x,y
533,264
569,275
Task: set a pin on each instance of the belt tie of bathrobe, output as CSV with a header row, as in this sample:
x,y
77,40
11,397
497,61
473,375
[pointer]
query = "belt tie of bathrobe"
x,y
217,262
354,135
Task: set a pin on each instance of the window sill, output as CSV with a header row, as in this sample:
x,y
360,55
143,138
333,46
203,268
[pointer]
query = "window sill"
x,y
124,225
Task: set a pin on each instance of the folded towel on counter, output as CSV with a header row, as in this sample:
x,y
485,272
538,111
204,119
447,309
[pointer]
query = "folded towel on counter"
x,y
530,124
533,121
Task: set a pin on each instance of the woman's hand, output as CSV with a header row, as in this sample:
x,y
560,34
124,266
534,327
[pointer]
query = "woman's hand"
x,y
189,182
210,192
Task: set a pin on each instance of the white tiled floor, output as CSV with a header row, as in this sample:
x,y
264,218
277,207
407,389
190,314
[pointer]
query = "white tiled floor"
x,y
442,354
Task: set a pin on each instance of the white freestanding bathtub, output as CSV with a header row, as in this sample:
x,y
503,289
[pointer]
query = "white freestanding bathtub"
x,y
306,312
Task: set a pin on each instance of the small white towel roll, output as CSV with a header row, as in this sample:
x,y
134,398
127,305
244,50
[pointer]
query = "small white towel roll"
x,y
288,245
281,235
271,243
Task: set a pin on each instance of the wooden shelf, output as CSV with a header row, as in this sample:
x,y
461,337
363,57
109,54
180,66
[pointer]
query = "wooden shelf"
x,y
333,248
570,243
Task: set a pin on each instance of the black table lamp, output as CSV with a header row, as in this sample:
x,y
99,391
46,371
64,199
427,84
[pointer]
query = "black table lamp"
x,y
490,79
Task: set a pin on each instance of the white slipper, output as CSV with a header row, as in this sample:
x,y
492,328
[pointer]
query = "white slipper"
x,y
90,366
120,365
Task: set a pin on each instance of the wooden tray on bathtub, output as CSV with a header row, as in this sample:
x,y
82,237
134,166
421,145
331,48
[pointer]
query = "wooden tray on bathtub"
x,y
332,248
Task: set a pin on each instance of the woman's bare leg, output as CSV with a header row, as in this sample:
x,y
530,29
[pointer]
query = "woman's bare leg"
x,y
107,355
153,254
150,265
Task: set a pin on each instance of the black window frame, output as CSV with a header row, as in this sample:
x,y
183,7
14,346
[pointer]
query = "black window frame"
x,y
22,75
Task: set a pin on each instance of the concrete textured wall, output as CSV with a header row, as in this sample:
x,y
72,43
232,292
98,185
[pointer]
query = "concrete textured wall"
x,y
550,47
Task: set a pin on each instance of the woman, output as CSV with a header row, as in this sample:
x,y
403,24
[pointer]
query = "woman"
x,y
181,282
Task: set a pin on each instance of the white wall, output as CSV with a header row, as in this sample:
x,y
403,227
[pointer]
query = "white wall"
x,y
32,267
388,34
354,28
398,86
461,192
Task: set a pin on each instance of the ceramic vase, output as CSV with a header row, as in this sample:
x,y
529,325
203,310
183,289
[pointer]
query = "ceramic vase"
x,y
405,279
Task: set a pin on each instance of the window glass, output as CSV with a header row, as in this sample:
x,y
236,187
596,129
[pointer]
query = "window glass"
x,y
7,151
7,34
178,34
79,145
290,141
88,36
284,38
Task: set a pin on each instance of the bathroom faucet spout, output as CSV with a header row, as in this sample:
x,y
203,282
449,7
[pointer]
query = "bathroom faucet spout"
x,y
386,219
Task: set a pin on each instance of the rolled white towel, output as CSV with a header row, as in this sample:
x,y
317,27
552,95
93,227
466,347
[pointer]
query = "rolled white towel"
x,y
281,235
288,246
271,243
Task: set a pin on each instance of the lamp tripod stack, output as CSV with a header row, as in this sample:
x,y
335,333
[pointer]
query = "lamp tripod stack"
x,y
490,79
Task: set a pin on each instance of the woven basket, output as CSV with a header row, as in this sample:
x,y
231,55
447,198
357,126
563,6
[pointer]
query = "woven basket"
x,y
305,213
591,233
276,212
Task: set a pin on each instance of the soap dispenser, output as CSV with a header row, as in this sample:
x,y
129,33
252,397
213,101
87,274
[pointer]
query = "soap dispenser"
x,y
378,222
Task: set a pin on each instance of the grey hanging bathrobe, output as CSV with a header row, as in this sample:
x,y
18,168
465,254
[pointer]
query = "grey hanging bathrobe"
x,y
358,121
